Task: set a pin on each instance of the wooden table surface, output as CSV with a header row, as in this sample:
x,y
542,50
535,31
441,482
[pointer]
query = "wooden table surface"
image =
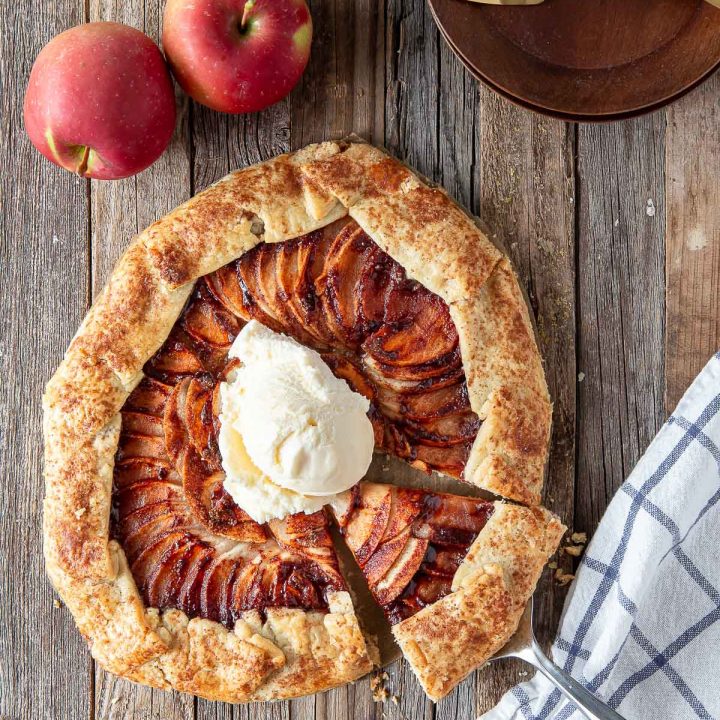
x,y
614,229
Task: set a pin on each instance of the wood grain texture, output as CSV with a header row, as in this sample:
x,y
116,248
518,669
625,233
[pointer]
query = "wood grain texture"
x,y
342,90
692,253
44,666
620,300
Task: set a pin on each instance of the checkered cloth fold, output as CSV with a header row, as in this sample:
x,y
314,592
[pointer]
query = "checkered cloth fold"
x,y
641,625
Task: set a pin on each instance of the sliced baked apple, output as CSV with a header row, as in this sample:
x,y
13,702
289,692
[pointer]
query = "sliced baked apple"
x,y
425,538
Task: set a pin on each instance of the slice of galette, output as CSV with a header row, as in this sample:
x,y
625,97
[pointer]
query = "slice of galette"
x,y
451,573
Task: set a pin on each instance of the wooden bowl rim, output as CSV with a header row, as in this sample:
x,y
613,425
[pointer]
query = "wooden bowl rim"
x,y
576,115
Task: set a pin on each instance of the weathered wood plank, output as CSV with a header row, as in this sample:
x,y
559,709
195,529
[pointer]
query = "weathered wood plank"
x,y
341,91
692,257
621,291
120,209
44,663
525,194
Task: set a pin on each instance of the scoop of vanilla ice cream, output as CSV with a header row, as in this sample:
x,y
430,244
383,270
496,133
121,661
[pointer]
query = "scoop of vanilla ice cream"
x,y
292,435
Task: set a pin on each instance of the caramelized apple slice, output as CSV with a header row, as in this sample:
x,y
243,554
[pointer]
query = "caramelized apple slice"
x,y
217,588
199,419
249,274
378,280
285,281
143,493
207,321
148,397
427,536
368,518
384,557
188,596
461,513
189,421
415,378
174,362
402,571
307,303
265,284
406,506
344,268
148,562
176,434
144,528
165,581
444,431
435,403
141,446
447,460
227,288
428,336
136,423
308,536
132,470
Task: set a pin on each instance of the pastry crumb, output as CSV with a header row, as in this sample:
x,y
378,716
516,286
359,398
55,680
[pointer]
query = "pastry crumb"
x,y
395,700
579,538
581,376
377,685
552,565
574,550
563,578
56,603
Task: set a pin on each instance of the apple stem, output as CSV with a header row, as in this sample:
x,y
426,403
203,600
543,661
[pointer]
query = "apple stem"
x,y
246,12
83,166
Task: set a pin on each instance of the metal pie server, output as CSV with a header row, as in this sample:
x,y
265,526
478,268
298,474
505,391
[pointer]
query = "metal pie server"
x,y
524,646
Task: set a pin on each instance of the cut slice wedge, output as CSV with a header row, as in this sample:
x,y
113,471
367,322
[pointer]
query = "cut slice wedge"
x,y
452,574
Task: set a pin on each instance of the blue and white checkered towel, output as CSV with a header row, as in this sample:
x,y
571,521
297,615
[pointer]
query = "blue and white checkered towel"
x,y
641,625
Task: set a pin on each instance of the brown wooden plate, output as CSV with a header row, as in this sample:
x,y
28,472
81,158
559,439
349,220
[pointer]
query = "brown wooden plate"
x,y
586,59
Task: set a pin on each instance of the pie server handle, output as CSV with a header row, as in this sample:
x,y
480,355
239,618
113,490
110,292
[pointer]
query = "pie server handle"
x,y
585,701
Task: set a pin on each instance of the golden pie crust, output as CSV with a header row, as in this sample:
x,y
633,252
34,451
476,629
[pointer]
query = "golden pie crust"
x,y
292,652
447,640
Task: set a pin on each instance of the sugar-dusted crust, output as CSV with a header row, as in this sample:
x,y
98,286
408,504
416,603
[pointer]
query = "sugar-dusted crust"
x,y
293,652
439,245
447,640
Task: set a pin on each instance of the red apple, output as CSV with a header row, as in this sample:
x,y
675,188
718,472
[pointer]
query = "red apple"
x,y
237,56
100,101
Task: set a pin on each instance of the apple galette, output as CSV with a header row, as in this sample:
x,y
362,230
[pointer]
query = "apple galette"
x,y
354,269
